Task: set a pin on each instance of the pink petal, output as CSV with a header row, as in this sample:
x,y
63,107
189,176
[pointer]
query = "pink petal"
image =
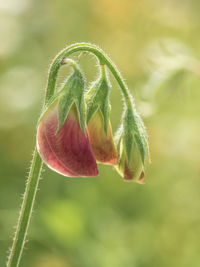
x,y
68,151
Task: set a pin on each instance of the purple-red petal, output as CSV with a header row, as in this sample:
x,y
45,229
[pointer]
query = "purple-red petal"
x,y
67,151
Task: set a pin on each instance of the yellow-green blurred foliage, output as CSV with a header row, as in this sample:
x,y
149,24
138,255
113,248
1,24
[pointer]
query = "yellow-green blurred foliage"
x,y
104,222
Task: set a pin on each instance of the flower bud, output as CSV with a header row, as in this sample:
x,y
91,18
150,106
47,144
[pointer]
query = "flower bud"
x,y
102,144
131,169
98,122
132,145
62,140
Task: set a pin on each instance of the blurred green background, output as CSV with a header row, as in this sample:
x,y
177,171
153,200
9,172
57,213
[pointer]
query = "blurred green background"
x,y
104,222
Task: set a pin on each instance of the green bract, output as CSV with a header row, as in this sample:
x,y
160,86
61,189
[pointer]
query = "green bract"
x,y
134,130
132,146
72,92
98,98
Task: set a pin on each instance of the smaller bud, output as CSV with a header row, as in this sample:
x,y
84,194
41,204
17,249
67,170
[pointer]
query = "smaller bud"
x,y
131,141
98,122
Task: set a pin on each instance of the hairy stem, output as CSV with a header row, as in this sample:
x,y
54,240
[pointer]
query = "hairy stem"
x,y
103,58
25,211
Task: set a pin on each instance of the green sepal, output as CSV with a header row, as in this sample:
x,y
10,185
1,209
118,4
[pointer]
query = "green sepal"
x,y
134,131
140,136
64,105
118,139
98,98
72,92
128,133
52,101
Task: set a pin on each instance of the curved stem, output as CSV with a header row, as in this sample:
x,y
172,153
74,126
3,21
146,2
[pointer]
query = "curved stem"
x,y
103,58
25,211
103,70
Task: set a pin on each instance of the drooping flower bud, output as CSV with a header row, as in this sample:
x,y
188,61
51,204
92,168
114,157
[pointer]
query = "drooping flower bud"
x,y
98,122
62,140
132,146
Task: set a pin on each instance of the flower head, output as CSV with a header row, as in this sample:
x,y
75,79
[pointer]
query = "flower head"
x,y
132,145
132,168
62,140
98,122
